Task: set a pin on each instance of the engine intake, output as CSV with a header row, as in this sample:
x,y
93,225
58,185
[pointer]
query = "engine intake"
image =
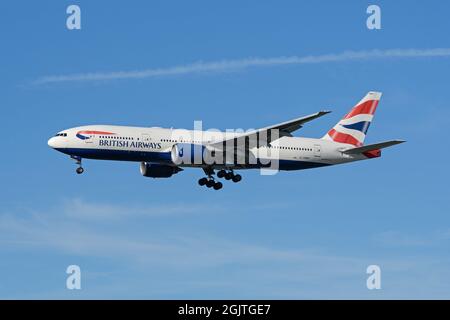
x,y
189,154
153,170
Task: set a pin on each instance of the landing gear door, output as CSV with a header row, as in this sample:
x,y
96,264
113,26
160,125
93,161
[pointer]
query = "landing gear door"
x,y
317,151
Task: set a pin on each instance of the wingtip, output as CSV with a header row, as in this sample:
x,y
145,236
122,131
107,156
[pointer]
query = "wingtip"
x,y
398,141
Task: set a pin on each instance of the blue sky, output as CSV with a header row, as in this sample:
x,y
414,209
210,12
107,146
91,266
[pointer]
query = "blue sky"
x,y
305,234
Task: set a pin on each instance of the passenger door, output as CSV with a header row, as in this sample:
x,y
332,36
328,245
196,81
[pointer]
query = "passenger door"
x,y
317,151
145,137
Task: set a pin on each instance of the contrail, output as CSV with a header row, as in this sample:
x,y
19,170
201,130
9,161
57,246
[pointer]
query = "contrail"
x,y
239,64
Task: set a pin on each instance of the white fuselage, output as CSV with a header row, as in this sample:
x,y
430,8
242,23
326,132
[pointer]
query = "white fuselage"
x,y
155,145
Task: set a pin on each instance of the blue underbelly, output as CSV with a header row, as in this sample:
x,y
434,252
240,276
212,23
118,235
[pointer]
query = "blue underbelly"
x,y
165,157
121,155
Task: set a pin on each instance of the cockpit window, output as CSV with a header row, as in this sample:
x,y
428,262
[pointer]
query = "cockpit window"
x,y
61,135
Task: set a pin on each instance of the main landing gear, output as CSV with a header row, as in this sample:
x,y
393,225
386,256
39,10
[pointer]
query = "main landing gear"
x,y
80,169
211,183
229,175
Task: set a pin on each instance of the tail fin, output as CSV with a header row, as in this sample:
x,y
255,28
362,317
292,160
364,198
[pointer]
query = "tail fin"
x,y
352,129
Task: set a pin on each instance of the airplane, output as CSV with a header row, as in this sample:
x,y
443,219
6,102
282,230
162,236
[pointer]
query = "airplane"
x,y
163,152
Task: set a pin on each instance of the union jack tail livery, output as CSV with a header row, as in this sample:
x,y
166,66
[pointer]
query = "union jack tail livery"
x,y
352,129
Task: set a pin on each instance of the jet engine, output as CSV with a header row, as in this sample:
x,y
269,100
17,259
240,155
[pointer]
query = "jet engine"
x,y
153,170
189,154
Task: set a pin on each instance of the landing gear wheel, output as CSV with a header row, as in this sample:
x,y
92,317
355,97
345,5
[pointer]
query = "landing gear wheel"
x,y
237,178
218,185
229,176
202,181
221,173
80,170
210,183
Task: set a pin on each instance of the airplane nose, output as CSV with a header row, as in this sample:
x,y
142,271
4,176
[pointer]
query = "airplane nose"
x,y
51,142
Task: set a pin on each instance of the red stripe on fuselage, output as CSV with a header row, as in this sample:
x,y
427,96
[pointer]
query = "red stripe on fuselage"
x,y
95,132
367,107
343,138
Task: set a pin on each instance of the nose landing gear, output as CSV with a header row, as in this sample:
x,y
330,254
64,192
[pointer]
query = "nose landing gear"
x,y
80,169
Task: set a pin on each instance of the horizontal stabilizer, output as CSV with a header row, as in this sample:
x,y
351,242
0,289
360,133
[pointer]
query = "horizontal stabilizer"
x,y
371,147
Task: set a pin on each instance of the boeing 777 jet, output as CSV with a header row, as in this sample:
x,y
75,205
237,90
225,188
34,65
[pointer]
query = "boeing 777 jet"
x,y
165,152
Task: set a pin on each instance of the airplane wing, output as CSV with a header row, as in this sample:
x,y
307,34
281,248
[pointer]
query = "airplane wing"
x,y
374,146
290,126
265,134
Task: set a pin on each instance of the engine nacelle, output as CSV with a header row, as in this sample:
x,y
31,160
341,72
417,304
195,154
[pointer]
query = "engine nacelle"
x,y
153,170
189,154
